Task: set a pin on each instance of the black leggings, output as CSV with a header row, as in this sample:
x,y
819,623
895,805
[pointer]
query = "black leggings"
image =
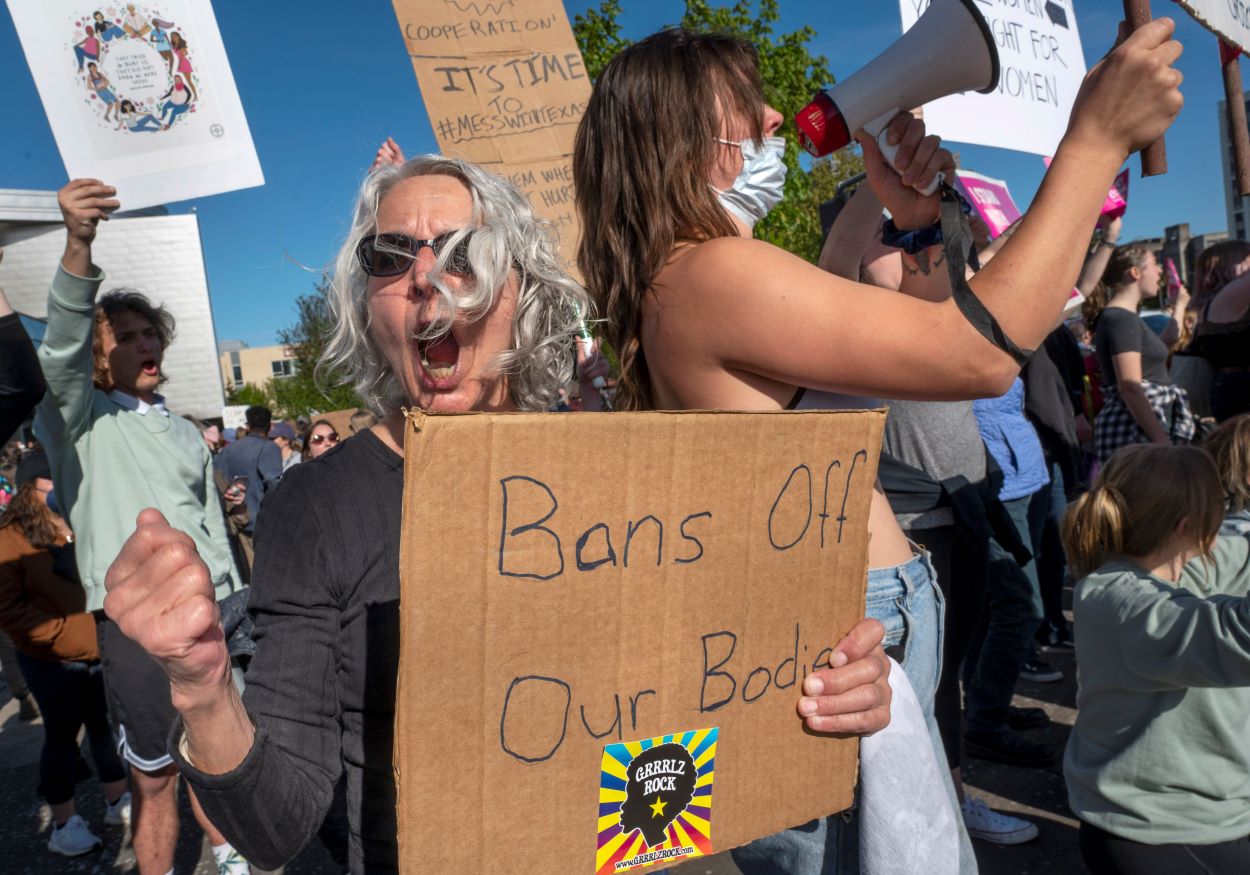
x,y
71,696
1107,854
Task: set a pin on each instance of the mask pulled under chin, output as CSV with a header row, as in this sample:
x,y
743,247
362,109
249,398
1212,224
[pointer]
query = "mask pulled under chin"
x,y
761,183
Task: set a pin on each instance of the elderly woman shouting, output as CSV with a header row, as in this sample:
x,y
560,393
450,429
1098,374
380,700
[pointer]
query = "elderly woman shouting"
x,y
448,296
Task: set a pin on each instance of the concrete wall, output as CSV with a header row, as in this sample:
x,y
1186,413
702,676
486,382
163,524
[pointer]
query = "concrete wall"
x,y
160,256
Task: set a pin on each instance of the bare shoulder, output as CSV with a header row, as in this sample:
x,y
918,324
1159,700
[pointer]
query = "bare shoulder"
x,y
729,260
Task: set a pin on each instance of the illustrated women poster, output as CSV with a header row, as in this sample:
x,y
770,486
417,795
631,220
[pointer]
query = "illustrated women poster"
x,y
139,95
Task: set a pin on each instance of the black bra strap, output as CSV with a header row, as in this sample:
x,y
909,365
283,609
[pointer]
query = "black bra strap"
x,y
797,399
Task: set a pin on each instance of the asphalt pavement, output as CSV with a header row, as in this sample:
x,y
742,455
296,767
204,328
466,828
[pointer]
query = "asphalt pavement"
x,y
1036,794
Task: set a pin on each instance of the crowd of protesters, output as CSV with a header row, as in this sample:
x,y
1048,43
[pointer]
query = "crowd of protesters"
x,y
192,599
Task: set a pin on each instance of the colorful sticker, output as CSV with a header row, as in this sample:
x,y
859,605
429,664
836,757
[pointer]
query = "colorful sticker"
x,y
655,801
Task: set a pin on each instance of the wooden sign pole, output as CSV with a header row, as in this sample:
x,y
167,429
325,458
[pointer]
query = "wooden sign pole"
x,y
1234,99
1154,158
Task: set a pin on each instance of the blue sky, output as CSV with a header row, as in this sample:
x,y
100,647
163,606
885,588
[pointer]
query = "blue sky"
x,y
324,87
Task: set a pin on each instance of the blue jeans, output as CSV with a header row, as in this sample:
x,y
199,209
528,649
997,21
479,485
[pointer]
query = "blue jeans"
x,y
83,55
177,110
142,124
906,600
1004,638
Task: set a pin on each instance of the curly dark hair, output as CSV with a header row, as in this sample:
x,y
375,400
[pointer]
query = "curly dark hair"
x,y
109,307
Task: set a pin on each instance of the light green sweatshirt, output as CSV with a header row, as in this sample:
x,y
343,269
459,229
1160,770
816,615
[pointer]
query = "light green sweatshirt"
x,y
1159,754
109,462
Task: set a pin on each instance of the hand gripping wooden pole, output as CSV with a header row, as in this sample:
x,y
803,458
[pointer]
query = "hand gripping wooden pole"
x,y
1154,158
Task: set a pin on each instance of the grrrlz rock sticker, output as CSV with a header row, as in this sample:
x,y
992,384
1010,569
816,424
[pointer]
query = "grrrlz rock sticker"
x,y
655,801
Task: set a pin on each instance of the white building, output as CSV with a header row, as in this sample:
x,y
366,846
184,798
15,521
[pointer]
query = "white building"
x,y
148,250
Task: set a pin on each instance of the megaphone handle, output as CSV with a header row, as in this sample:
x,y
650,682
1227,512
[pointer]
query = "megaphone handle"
x,y
1154,158
876,129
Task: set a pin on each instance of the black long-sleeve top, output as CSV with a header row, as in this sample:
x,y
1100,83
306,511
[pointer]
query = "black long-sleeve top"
x,y
21,380
321,685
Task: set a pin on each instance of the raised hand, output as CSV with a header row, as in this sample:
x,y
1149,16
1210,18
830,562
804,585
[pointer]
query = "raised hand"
x,y
853,695
919,159
1133,94
83,203
161,596
388,153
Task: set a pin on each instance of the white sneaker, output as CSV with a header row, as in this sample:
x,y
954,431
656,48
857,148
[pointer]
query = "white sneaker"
x,y
992,826
118,813
73,838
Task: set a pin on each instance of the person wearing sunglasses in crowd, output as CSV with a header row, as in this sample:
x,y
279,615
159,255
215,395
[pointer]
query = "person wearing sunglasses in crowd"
x,y
321,439
448,295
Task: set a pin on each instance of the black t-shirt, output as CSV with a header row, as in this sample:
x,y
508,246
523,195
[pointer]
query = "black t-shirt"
x,y
1120,331
321,686
21,380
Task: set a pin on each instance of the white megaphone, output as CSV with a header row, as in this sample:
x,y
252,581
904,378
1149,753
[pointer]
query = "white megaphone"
x,y
948,50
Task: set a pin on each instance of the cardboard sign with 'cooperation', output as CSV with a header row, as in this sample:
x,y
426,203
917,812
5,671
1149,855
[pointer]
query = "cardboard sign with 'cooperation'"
x,y
505,87
605,625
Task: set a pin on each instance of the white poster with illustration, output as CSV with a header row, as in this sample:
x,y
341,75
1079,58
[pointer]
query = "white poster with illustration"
x,y
139,95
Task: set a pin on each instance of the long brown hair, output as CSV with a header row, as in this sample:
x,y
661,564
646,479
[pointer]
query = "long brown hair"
x,y
32,516
1229,446
641,163
1140,497
1215,268
1115,275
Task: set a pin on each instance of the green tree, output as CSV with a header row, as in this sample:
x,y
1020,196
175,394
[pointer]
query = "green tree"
x,y
302,393
250,395
791,73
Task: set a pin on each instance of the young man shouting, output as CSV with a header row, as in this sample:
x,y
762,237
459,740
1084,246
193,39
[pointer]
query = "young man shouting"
x,y
115,450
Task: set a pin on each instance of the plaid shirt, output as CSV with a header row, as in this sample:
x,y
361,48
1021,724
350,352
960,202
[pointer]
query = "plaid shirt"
x,y
1115,426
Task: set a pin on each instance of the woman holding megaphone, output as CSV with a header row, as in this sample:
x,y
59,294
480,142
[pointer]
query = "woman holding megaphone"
x,y
677,157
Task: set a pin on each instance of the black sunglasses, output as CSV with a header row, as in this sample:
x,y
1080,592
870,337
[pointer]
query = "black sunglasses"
x,y
392,254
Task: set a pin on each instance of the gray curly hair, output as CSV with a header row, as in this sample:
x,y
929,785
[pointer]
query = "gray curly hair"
x,y
505,234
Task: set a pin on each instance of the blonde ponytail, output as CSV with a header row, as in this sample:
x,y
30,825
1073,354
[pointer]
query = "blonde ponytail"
x,y
1093,529
1137,505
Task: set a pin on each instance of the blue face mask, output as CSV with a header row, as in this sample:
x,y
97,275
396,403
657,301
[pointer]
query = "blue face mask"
x,y
52,505
761,184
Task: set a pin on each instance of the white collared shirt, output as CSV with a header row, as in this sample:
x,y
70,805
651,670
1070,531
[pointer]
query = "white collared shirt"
x,y
138,405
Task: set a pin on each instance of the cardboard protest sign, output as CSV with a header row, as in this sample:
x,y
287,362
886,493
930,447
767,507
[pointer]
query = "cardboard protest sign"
x,y
605,625
505,87
139,95
1042,67
990,198
1228,18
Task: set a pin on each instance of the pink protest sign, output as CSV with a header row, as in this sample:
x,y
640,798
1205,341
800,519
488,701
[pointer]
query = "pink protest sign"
x,y
1117,199
991,199
1174,278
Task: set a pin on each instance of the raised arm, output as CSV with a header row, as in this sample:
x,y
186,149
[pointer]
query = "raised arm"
x,y
851,233
65,355
796,325
1096,260
263,766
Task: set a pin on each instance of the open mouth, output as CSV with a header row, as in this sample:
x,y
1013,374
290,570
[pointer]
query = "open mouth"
x,y
439,357
149,367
